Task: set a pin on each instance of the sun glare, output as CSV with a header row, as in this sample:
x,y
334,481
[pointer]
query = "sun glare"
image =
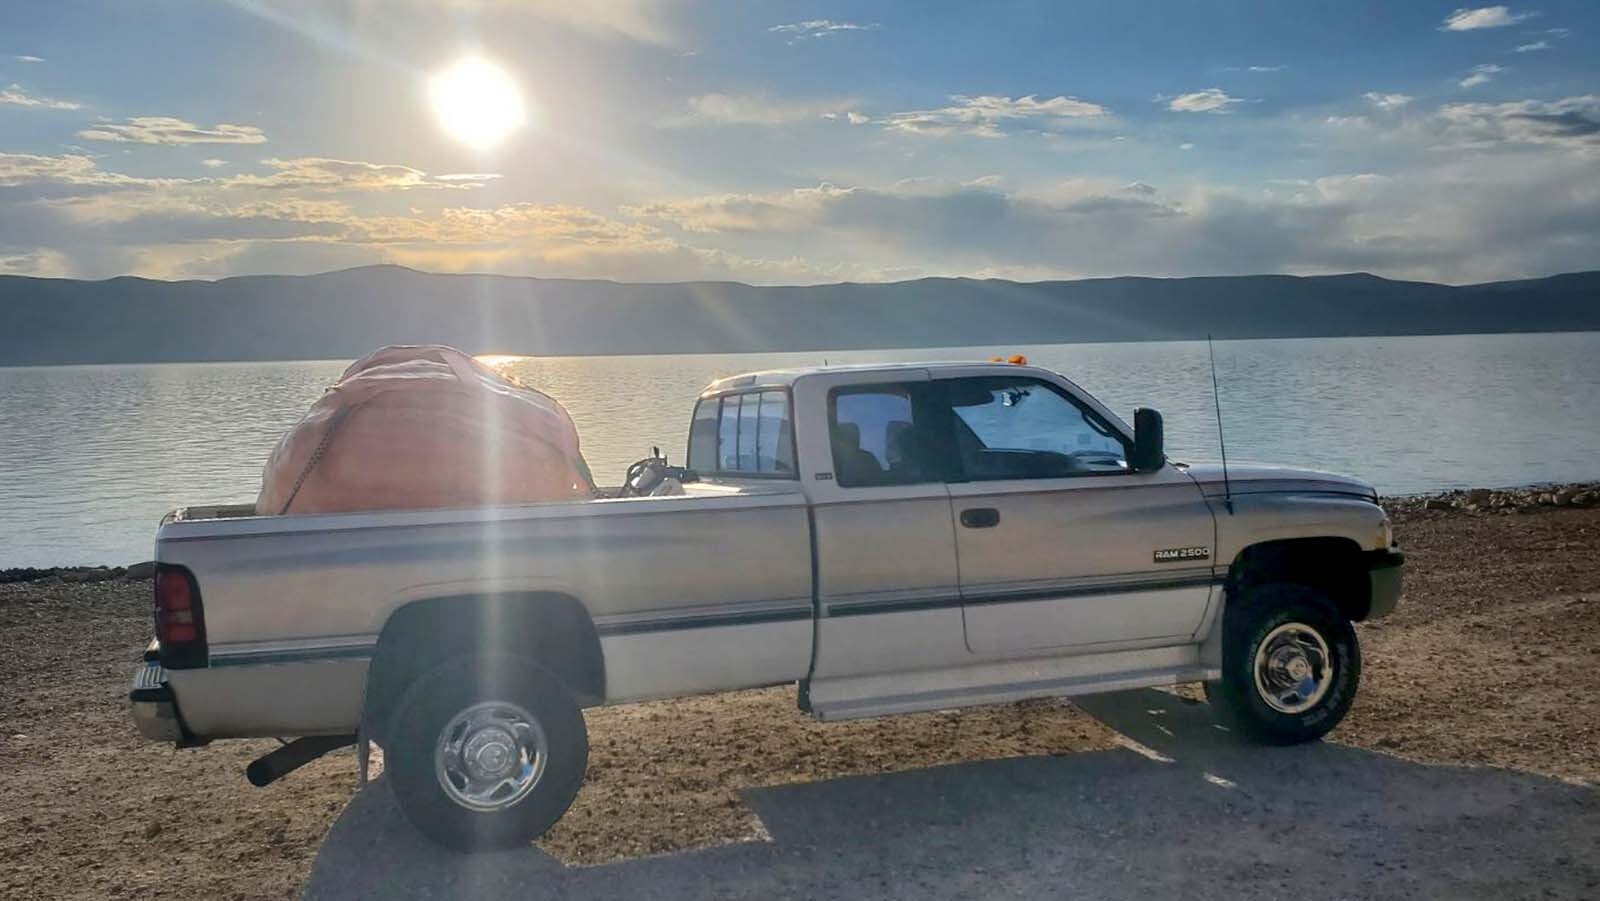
x,y
477,102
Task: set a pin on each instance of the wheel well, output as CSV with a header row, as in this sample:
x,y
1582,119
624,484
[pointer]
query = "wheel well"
x,y
1331,565
552,629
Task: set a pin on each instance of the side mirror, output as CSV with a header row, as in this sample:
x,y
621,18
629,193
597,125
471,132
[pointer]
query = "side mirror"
x,y
1148,453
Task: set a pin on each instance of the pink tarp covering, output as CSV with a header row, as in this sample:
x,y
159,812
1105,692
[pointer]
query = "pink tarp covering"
x,y
413,427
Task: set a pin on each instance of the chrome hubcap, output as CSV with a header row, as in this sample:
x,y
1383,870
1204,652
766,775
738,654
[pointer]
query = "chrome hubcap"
x,y
490,755
1293,668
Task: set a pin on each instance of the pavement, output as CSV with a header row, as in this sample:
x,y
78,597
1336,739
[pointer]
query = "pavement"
x,y
1186,809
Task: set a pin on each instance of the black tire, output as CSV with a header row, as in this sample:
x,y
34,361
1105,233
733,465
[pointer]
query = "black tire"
x,y
439,697
1248,621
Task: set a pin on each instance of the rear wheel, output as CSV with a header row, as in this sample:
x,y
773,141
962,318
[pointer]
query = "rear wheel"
x,y
486,752
1290,664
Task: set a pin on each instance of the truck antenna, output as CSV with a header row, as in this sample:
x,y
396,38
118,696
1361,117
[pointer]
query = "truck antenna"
x,y
1216,401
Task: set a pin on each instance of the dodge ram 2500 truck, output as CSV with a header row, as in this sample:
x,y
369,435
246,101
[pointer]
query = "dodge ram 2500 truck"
x,y
891,538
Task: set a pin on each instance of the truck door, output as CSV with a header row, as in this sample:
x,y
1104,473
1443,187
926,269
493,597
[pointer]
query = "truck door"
x,y
1060,543
887,590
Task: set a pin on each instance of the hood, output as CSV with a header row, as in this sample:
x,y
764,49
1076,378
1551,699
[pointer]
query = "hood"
x,y
1255,478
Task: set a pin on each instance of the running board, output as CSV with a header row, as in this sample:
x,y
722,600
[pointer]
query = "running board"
x,y
857,697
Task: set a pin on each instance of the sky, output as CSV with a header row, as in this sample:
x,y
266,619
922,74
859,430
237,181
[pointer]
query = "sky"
x,y
784,143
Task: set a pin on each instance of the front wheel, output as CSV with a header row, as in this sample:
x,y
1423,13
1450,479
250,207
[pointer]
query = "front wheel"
x,y
1290,664
487,752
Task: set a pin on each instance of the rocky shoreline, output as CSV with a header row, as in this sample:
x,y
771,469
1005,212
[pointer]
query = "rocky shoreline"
x,y
131,573
1526,499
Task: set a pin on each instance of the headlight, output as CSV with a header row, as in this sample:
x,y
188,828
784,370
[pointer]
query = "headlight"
x,y
1385,535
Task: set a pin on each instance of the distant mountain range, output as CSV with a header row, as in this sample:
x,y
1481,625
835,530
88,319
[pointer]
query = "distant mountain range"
x,y
341,315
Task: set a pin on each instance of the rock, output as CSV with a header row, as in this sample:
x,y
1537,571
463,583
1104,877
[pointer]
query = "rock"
x,y
1585,499
152,829
137,571
1478,497
1565,496
1436,503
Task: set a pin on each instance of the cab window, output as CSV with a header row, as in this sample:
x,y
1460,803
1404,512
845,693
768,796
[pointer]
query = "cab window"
x,y
1024,428
877,437
745,434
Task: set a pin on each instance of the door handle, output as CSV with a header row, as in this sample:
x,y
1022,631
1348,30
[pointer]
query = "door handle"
x,y
980,517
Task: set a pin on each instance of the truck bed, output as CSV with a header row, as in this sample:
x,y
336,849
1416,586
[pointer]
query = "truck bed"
x,y
296,604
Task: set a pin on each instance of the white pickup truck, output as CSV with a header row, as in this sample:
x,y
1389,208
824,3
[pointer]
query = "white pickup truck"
x,y
891,538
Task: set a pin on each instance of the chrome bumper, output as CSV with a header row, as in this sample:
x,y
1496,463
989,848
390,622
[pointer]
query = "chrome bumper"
x,y
155,710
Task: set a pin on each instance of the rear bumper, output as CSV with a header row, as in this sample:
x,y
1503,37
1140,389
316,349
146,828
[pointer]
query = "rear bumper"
x,y
1383,574
155,708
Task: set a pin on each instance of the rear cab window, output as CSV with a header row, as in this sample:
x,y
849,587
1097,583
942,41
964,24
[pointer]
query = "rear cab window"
x,y
748,434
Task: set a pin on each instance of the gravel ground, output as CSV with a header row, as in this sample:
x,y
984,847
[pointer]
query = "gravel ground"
x,y
1492,659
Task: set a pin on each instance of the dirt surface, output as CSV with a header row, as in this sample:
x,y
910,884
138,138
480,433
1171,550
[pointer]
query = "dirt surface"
x,y
1199,814
1493,656
1493,659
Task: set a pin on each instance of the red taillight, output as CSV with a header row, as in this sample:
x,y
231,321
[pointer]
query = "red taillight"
x,y
180,620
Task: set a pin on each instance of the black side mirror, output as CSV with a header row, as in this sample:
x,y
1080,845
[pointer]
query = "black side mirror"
x,y
1148,453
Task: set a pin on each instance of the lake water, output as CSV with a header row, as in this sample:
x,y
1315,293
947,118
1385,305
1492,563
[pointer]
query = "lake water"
x,y
91,457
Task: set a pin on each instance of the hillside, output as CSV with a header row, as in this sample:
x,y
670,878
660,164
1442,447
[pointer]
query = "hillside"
x,y
343,314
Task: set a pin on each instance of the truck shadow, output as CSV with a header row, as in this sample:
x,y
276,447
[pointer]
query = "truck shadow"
x,y
1185,809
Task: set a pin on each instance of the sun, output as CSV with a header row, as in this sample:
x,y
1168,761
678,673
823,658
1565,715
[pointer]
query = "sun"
x,y
477,102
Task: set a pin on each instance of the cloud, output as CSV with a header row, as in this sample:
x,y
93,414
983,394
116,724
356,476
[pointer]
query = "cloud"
x,y
70,170
39,263
167,130
1474,217
64,215
323,174
1387,102
25,58
318,174
1483,17
903,210
1572,122
819,28
1210,100
213,163
1482,75
1524,201
984,116
754,109
16,96
329,21
1530,48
